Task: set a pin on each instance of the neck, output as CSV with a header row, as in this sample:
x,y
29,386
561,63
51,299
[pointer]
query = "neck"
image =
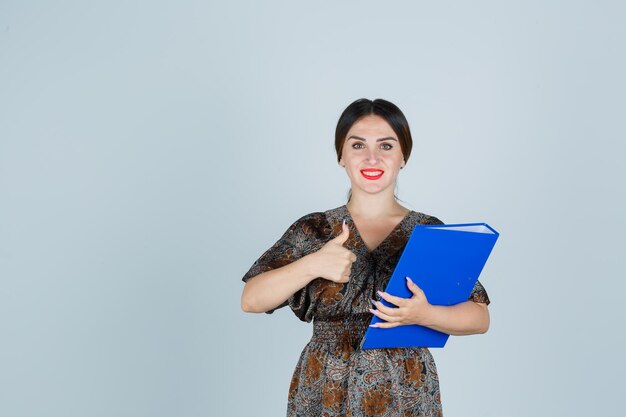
x,y
372,206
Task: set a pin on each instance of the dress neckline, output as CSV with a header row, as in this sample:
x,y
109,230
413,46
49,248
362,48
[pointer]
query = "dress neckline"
x,y
358,236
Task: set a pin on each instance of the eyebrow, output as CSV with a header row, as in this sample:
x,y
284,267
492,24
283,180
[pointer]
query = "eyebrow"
x,y
377,140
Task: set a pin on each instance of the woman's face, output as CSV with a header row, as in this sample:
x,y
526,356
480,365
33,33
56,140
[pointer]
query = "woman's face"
x,y
371,155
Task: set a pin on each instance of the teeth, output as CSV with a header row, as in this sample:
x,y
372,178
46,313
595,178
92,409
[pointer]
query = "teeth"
x,y
372,173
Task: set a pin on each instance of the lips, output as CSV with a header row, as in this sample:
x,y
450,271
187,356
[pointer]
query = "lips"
x,y
372,173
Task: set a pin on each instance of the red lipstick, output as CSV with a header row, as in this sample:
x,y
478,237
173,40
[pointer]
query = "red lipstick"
x,y
372,173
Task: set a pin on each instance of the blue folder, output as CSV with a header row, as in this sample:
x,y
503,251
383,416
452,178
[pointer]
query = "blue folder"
x,y
445,262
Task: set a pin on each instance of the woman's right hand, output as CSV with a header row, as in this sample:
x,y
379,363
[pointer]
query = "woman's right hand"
x,y
333,261
269,289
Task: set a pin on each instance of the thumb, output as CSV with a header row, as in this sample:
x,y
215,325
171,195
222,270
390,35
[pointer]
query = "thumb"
x,y
344,235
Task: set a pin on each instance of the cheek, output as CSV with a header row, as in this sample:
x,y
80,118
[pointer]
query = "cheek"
x,y
350,158
393,160
345,156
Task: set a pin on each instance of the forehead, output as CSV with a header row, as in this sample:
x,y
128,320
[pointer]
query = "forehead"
x,y
371,127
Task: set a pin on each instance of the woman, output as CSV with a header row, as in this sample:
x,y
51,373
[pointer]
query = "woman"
x,y
328,267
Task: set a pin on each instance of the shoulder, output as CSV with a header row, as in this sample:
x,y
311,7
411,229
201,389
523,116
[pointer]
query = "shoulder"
x,y
311,217
313,225
321,225
422,218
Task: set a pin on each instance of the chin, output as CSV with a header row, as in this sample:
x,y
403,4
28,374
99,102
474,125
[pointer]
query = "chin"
x,y
372,188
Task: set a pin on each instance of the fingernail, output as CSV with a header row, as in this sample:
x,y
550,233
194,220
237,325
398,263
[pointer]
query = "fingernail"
x,y
380,293
374,302
372,310
374,325
408,279
344,222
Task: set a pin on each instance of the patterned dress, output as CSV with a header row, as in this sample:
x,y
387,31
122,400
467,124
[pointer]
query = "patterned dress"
x,y
333,377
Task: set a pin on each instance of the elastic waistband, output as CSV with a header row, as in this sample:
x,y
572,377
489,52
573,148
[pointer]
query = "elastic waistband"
x,y
339,330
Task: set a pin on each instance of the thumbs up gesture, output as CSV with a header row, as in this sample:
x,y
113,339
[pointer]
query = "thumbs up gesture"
x,y
333,261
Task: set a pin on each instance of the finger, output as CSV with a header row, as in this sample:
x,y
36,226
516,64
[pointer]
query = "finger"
x,y
413,287
390,311
385,325
346,276
396,301
382,316
344,235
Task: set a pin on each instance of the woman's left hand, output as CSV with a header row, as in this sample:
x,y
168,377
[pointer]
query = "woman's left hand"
x,y
414,310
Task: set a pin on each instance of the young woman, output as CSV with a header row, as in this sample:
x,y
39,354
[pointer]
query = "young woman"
x,y
330,267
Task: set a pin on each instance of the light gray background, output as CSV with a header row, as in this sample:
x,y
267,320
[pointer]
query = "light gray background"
x,y
151,151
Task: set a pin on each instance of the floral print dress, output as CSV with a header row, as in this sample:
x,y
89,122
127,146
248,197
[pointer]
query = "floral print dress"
x,y
333,377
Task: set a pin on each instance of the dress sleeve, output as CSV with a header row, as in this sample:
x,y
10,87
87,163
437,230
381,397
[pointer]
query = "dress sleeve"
x,y
292,245
478,294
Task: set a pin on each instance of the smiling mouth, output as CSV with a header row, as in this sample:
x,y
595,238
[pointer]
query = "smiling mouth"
x,y
372,174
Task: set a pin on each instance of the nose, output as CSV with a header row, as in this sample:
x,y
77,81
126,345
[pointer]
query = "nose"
x,y
372,156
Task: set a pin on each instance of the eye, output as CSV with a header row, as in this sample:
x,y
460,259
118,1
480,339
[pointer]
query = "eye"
x,y
357,145
386,146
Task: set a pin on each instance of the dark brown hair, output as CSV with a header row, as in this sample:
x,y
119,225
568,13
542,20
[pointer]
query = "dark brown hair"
x,y
379,107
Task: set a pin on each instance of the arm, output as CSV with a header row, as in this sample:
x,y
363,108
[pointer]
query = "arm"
x,y
465,318
270,289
